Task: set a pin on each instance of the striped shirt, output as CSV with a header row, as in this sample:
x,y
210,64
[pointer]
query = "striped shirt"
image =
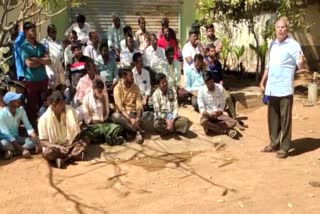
x,y
211,101
164,104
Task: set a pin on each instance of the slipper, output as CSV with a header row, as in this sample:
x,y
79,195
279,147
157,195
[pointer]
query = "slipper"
x,y
269,149
282,154
232,133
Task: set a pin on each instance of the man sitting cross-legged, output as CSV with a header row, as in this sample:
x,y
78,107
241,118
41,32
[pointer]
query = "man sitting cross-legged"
x,y
165,104
10,117
59,132
129,106
211,104
95,109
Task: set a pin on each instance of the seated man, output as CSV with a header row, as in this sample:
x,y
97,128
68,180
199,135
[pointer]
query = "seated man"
x,y
172,69
127,54
141,78
75,70
129,105
194,80
85,83
81,27
60,134
107,66
10,117
91,50
96,110
211,105
165,104
215,67
154,55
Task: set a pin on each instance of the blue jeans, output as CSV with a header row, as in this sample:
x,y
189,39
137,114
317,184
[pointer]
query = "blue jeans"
x,y
25,142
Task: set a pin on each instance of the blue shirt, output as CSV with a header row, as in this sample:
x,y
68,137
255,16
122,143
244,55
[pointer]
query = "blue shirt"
x,y
216,69
6,137
281,67
17,50
9,124
194,80
28,51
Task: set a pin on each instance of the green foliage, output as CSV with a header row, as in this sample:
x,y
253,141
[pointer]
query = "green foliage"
x,y
238,51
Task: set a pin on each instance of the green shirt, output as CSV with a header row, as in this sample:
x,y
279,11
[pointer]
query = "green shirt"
x,y
29,51
109,71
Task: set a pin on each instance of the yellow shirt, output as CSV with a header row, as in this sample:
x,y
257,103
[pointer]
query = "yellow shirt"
x,y
127,99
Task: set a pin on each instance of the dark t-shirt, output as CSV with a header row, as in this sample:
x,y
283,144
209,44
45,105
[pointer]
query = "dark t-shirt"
x,y
216,69
75,71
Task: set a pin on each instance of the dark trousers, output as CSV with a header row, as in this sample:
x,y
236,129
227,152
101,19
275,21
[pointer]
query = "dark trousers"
x,y
280,121
194,103
34,90
219,125
181,125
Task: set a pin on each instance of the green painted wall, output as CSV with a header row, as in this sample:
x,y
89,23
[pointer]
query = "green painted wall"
x,y
187,17
62,22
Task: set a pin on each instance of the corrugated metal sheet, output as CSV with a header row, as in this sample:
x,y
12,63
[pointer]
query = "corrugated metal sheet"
x,y
99,13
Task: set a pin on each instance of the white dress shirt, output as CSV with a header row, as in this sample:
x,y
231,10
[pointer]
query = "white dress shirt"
x,y
154,58
82,33
142,81
126,57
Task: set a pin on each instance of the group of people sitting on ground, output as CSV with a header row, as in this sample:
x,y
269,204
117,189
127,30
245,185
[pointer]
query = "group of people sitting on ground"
x,y
91,91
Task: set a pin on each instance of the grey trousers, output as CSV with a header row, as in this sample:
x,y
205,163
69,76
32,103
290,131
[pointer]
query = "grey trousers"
x,y
280,121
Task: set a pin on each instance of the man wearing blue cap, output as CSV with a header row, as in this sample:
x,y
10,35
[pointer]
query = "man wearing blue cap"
x,y
10,117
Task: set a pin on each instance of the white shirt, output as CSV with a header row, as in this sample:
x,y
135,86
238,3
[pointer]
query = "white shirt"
x,y
142,81
55,70
126,57
91,52
154,58
189,51
82,33
211,101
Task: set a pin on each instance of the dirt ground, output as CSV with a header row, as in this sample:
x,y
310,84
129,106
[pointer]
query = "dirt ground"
x,y
224,176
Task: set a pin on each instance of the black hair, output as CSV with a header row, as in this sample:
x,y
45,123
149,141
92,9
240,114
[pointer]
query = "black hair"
x,y
127,29
124,71
56,97
209,46
103,45
208,26
28,25
207,75
169,49
88,62
75,45
163,20
97,84
159,77
51,28
193,30
152,34
73,32
81,18
128,36
198,57
136,56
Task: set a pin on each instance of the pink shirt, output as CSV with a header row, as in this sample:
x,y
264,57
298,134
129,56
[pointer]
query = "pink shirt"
x,y
162,42
85,86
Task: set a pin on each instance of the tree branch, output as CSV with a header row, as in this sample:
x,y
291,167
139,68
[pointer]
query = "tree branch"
x,y
15,6
53,14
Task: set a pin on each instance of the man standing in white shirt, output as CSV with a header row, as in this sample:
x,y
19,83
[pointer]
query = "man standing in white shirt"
x,y
277,84
127,54
92,48
192,48
81,27
55,70
141,78
154,56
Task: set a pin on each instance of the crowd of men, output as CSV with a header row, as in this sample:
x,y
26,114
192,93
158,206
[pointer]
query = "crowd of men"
x,y
108,90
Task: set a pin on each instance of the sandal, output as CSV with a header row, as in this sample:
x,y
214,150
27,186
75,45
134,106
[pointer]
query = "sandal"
x,y
269,149
282,154
232,133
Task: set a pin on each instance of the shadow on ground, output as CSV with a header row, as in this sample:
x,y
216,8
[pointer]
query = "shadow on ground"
x,y
304,145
